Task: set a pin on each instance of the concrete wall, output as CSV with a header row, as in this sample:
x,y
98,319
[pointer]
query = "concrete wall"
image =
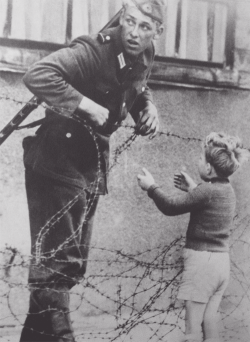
x,y
127,221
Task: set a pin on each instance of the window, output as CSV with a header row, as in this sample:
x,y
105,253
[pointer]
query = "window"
x,y
31,29
199,30
54,21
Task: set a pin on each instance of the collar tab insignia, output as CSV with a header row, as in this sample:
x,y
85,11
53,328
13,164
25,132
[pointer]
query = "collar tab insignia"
x,y
121,60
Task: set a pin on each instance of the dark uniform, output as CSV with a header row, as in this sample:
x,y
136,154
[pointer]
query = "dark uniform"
x,y
66,168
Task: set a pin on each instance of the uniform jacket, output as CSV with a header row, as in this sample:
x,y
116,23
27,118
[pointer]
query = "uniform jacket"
x,y
95,67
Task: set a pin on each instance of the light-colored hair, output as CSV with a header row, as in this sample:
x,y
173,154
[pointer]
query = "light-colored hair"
x,y
225,153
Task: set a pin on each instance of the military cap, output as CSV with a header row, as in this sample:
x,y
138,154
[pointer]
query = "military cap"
x,y
152,8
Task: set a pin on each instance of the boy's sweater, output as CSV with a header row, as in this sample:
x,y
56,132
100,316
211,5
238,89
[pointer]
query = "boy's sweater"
x,y
212,206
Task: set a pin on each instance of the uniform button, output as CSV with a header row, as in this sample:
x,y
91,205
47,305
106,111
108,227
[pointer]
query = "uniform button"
x,y
143,88
107,91
68,135
124,104
107,37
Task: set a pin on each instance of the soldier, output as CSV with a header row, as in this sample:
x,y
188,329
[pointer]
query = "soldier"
x,y
100,79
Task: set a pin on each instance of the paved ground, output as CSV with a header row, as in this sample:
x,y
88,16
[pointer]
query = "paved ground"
x,y
102,329
99,329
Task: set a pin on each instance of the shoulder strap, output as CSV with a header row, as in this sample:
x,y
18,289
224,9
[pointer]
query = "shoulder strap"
x,y
32,124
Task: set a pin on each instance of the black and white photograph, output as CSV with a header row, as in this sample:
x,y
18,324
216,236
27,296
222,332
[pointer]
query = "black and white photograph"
x,y
124,170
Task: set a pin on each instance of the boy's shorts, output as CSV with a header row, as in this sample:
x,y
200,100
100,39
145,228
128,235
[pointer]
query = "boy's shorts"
x,y
205,274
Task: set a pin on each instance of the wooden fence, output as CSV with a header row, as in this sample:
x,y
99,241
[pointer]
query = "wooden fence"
x,y
194,29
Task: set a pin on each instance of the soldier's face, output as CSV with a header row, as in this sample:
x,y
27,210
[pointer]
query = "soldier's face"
x,y
138,30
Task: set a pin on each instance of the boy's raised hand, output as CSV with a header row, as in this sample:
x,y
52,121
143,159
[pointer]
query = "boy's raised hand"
x,y
145,180
184,182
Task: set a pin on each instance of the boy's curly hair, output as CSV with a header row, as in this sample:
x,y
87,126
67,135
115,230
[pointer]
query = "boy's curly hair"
x,y
225,153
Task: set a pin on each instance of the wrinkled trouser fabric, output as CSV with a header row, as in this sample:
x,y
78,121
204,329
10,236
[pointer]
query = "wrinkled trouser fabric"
x,y
61,221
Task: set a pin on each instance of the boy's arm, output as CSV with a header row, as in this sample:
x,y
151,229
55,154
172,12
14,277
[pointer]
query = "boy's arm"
x,y
174,205
180,204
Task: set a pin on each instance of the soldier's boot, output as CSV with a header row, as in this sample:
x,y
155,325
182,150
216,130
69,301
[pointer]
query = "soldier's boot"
x,y
61,326
37,326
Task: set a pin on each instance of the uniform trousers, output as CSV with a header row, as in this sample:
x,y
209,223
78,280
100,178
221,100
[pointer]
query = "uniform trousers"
x,y
61,222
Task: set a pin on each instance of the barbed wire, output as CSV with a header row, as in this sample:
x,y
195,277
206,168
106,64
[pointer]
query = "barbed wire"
x,y
142,279
62,111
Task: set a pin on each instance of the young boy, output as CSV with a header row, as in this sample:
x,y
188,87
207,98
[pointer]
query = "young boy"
x,y
211,205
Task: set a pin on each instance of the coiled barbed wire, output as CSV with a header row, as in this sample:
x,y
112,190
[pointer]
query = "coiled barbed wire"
x,y
154,279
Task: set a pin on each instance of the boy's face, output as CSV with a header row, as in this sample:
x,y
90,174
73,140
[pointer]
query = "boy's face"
x,y
138,30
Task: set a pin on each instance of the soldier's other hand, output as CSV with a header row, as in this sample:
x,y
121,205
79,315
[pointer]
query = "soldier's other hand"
x,y
92,112
145,180
148,123
184,182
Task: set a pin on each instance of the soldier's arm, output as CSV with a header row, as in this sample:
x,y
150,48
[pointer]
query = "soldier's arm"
x,y
52,79
144,112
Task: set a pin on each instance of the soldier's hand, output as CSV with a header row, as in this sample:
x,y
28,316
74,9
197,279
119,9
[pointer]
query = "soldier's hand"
x,y
92,112
148,123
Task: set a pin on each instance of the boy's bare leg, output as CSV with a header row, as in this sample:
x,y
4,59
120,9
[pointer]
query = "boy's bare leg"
x,y
193,320
210,320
